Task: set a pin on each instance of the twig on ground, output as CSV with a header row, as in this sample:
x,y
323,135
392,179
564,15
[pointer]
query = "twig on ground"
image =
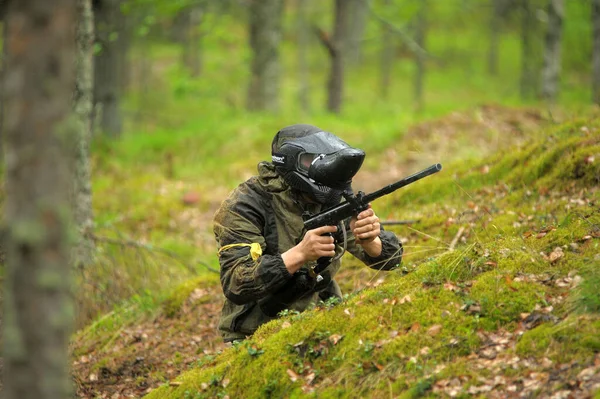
x,y
456,238
150,248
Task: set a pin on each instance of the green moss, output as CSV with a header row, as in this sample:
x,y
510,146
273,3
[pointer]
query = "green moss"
x,y
181,293
576,337
587,295
503,300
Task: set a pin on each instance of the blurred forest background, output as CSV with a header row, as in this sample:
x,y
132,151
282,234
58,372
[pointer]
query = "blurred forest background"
x,y
178,100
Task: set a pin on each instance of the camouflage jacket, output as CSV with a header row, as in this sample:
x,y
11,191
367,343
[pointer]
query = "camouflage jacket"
x,y
260,220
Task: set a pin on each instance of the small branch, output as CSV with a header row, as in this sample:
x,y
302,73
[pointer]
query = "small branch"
x,y
414,46
149,248
396,222
456,238
325,40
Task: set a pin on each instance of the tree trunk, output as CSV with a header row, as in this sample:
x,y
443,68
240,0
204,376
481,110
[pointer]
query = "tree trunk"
x,y
82,106
552,53
108,67
358,17
495,19
191,44
420,38
596,52
302,30
2,83
37,300
387,57
265,35
528,75
337,51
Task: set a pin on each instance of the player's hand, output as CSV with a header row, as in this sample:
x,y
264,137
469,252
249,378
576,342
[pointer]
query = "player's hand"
x,y
315,245
365,226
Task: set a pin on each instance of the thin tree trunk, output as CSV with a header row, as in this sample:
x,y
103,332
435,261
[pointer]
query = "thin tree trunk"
x,y
596,52
303,44
38,313
552,53
108,67
265,35
528,75
190,39
358,17
2,89
336,76
420,38
495,19
82,106
387,58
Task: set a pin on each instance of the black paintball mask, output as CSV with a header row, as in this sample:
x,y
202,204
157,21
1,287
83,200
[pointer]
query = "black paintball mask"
x,y
316,163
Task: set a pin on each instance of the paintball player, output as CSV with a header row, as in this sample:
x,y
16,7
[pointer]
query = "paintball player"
x,y
263,248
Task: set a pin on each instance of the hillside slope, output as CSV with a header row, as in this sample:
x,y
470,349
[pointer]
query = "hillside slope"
x,y
505,301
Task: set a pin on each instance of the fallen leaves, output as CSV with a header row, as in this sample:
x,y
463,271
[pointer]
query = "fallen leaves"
x,y
434,330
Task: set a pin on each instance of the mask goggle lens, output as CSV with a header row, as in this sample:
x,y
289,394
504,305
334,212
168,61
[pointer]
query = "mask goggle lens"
x,y
305,160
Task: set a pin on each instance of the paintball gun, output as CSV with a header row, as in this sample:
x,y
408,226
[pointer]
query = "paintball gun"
x,y
335,171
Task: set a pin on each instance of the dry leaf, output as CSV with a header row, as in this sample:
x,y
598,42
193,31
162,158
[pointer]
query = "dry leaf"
x,y
175,383
434,330
335,338
415,327
286,324
405,299
556,254
451,287
293,376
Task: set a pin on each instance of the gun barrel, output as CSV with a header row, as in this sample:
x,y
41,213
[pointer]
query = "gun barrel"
x,y
341,211
404,182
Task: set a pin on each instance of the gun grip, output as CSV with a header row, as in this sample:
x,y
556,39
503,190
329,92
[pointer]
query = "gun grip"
x,y
323,261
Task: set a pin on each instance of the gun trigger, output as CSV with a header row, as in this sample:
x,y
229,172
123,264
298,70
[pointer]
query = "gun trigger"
x,y
306,215
313,274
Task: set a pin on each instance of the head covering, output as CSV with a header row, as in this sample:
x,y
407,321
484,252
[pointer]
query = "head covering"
x,y
296,152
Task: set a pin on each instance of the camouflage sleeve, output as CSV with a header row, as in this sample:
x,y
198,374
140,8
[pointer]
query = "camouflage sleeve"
x,y
391,251
247,272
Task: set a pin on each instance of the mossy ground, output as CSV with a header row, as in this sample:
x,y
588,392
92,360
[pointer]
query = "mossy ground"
x,y
494,296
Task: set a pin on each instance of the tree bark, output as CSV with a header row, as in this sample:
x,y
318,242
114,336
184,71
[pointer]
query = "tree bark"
x,y
495,19
358,17
82,106
303,44
528,75
386,57
2,83
552,53
596,52
265,35
37,300
108,67
191,44
420,38
337,52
